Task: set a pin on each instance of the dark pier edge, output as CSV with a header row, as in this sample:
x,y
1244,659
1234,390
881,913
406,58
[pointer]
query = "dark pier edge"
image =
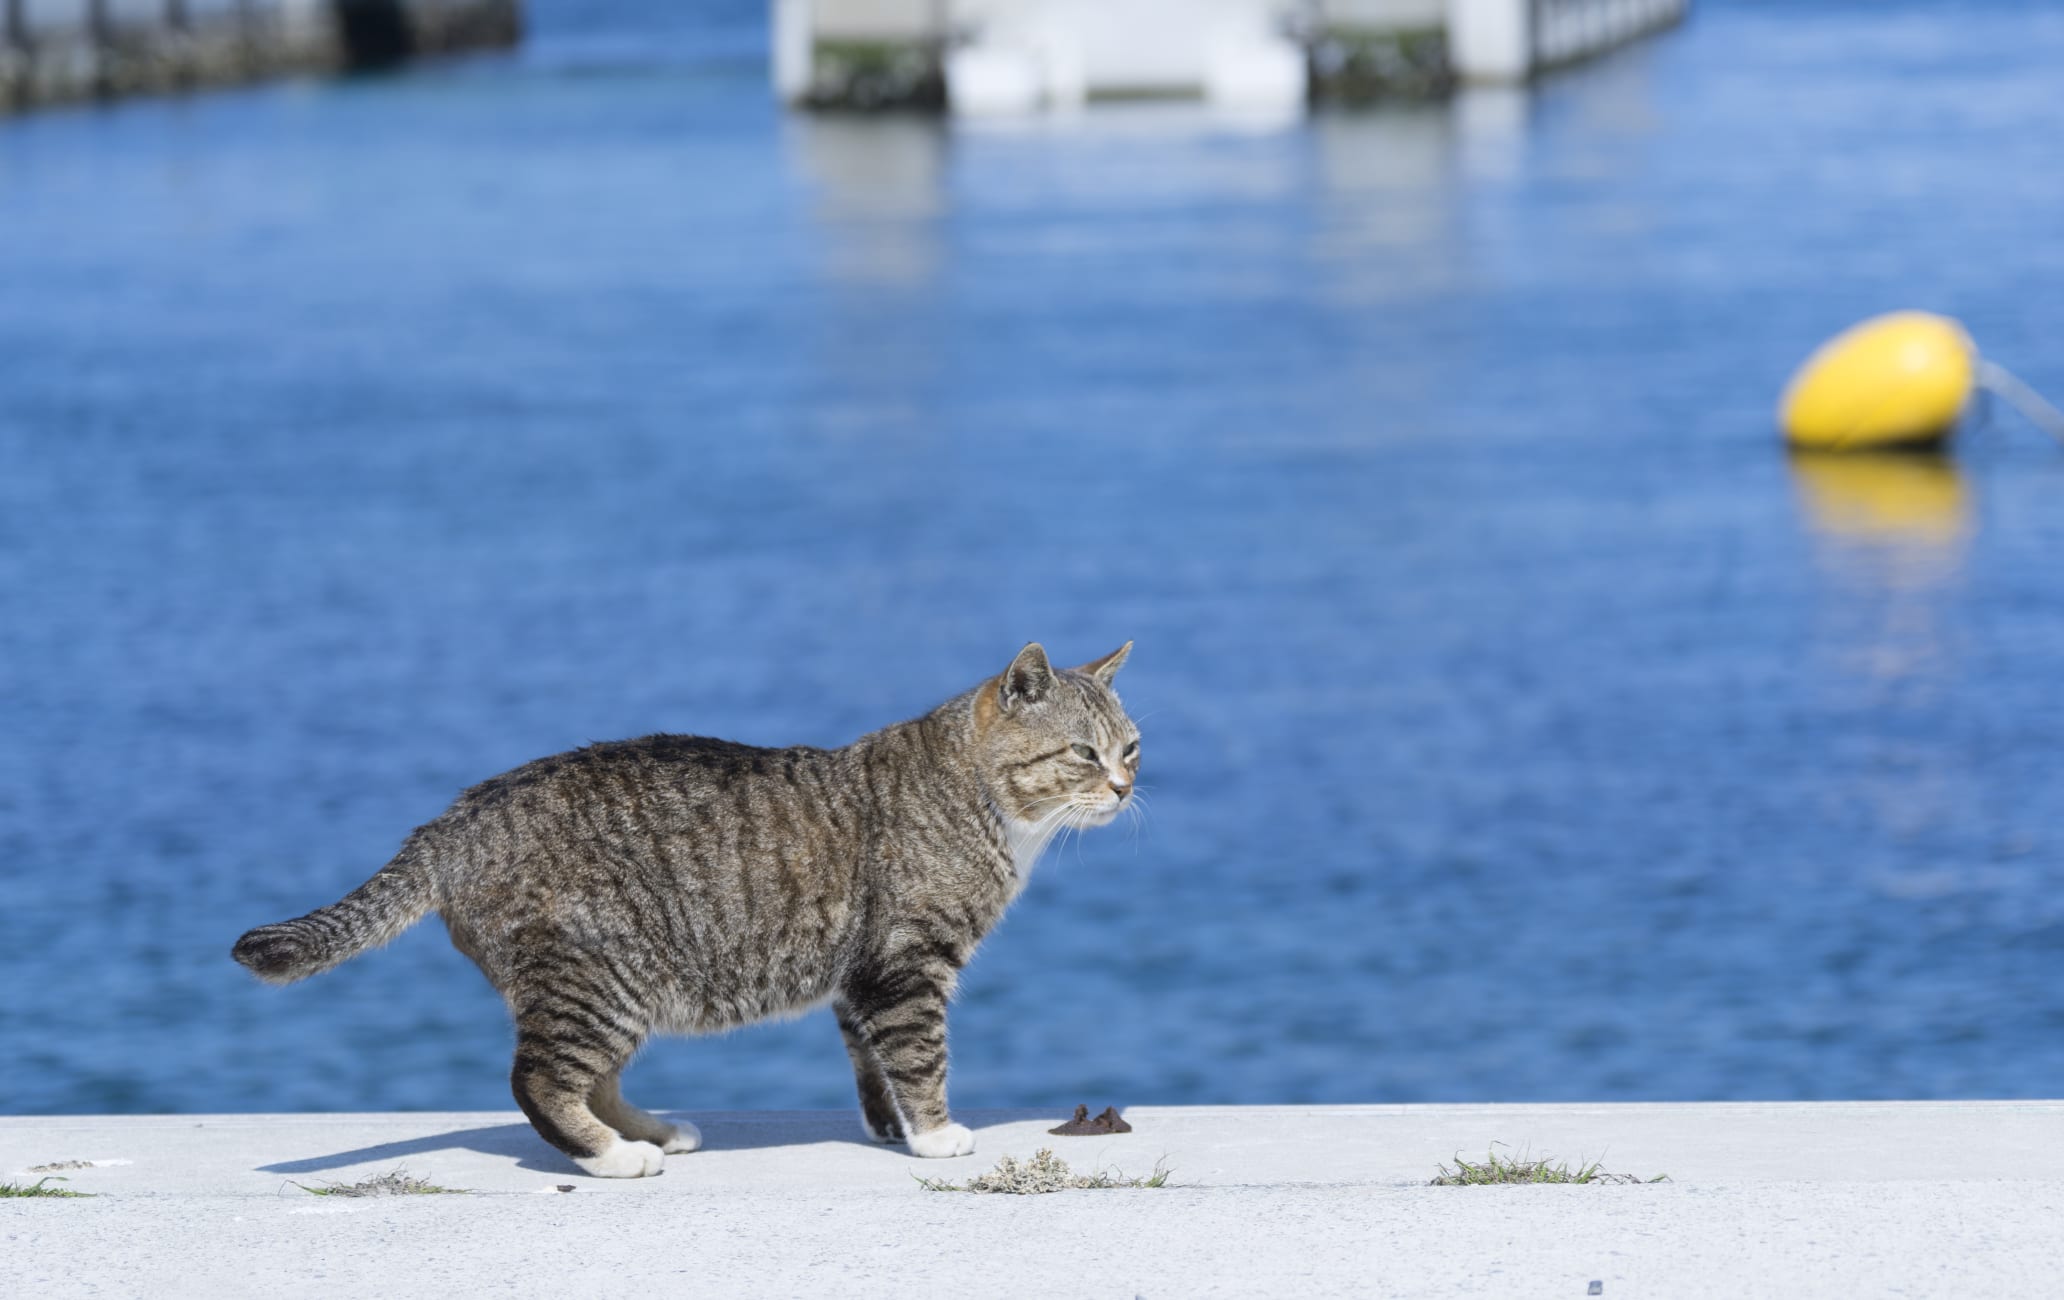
x,y
1356,66
1348,66
377,33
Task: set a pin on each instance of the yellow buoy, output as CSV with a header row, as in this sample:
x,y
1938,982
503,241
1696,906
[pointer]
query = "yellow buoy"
x,y
1898,380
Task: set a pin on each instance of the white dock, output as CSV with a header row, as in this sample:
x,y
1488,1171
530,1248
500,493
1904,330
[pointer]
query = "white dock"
x,y
1014,57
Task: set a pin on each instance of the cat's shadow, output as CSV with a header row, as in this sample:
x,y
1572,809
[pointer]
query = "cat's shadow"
x,y
521,1142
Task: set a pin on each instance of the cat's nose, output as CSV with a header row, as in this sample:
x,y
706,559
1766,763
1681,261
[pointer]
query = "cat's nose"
x,y
1121,788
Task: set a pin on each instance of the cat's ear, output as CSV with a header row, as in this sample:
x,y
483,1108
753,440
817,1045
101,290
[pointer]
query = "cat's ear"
x,y
1028,679
1106,668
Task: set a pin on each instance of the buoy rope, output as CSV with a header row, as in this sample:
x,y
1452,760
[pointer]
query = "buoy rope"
x,y
1995,378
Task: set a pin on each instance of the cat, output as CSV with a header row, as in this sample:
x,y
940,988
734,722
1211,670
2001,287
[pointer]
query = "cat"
x,y
679,884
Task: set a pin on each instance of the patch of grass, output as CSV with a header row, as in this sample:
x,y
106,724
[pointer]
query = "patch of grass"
x,y
1044,1172
41,1187
396,1183
1518,1169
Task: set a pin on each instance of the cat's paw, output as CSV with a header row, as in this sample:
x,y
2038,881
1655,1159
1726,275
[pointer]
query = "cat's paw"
x,y
887,1133
686,1138
946,1140
624,1160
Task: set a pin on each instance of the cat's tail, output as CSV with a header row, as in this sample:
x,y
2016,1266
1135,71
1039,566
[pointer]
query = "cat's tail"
x,y
398,896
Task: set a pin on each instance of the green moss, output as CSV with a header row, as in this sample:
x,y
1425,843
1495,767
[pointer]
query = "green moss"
x,y
1044,1172
397,1183
42,1187
1497,1168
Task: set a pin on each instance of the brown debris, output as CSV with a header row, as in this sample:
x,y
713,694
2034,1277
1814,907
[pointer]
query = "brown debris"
x,y
1103,1125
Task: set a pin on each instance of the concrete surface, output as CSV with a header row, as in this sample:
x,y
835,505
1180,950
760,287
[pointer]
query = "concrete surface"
x,y
1795,1199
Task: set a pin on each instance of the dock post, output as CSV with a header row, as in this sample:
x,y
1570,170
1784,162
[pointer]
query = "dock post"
x,y
180,56
14,55
1491,40
100,41
791,48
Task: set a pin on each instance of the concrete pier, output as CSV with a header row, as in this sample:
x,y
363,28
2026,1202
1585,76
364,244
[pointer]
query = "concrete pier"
x,y
66,51
998,57
1807,1199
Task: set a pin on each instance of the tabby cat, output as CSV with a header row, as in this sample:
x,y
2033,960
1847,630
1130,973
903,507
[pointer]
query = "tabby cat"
x,y
678,884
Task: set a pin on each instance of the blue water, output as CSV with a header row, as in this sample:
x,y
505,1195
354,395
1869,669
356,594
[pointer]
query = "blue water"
x,y
1520,724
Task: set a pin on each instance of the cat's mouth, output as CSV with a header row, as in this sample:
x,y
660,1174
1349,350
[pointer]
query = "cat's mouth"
x,y
1081,811
1100,812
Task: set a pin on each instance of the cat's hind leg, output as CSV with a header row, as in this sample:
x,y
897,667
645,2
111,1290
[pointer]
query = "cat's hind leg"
x,y
607,1101
878,1117
561,1055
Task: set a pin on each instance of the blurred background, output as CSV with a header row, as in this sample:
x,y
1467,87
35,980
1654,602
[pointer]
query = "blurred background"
x,y
1520,723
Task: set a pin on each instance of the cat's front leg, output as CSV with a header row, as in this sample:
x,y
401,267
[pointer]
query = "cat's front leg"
x,y
901,1018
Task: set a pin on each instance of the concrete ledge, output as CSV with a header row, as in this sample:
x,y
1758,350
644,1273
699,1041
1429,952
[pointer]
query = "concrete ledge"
x,y
1845,1198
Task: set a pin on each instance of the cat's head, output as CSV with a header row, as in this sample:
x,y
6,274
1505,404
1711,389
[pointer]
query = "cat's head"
x,y
1057,746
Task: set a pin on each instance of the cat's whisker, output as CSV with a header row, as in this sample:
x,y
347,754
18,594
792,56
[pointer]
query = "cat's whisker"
x,y
1066,817
1136,818
1056,826
1048,825
1060,809
1062,803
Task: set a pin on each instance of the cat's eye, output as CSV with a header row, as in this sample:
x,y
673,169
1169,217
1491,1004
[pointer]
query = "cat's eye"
x,y
1132,749
1084,751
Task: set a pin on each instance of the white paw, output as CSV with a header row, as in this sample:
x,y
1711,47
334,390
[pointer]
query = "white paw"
x,y
686,1137
947,1140
877,1135
624,1160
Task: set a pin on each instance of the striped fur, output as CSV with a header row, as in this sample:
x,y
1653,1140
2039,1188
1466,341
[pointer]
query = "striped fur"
x,y
678,884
